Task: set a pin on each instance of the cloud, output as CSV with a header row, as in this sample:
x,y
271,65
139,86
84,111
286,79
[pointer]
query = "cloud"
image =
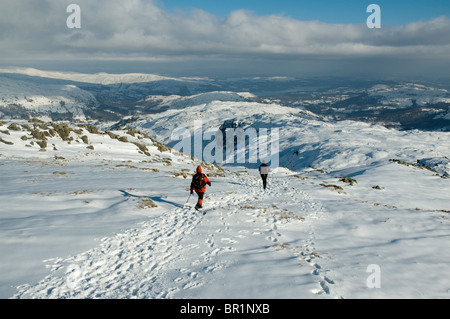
x,y
143,30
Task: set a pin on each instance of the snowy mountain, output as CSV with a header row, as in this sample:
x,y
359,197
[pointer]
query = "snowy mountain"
x,y
353,210
108,97
23,99
82,97
159,103
98,78
408,94
104,211
304,138
400,105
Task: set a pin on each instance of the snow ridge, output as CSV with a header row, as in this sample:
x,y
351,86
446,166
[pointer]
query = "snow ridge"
x,y
98,78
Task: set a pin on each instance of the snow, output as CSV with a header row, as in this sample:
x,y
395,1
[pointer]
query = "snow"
x,y
177,101
45,98
79,223
305,139
440,164
98,78
404,95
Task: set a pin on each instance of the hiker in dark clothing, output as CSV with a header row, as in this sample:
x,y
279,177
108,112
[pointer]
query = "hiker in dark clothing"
x,y
199,182
264,171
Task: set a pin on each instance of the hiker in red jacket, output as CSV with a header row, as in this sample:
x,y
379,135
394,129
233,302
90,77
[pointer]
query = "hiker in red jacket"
x,y
199,182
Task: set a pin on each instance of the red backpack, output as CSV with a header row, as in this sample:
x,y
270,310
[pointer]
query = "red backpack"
x,y
199,181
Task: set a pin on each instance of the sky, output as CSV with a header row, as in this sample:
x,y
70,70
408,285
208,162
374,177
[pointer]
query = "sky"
x,y
331,11
229,38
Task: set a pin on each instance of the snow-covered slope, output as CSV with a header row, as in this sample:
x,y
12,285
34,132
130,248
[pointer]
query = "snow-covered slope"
x,y
403,105
97,78
304,138
28,92
407,94
109,222
24,98
76,96
162,102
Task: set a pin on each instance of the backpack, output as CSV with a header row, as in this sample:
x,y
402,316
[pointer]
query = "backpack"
x,y
198,181
264,169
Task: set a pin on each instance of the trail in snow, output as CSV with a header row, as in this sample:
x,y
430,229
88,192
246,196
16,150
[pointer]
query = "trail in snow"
x,y
247,243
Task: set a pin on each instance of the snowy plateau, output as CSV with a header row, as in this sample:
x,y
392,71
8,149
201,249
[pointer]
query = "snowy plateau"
x,y
95,201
